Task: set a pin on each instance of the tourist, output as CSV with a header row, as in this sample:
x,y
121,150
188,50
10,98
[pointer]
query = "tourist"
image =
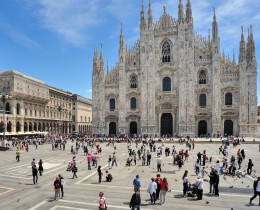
x,y
185,183
99,174
135,200
137,183
199,185
158,181
164,190
216,182
40,167
62,183
74,171
57,188
18,153
35,174
197,167
256,190
109,161
152,190
109,177
102,201
114,159
212,181
249,166
159,163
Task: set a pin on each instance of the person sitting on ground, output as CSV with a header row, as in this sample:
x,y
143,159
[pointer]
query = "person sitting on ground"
x,y
108,177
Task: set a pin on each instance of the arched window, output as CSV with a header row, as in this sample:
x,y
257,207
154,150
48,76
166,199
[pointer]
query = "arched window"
x,y
133,103
203,100
133,81
112,104
202,77
18,109
166,84
7,108
166,52
228,98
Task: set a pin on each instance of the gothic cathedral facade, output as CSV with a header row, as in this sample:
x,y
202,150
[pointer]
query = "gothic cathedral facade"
x,y
173,81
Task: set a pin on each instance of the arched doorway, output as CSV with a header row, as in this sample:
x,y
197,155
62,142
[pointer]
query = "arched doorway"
x,y
112,128
166,124
202,128
228,128
9,127
133,128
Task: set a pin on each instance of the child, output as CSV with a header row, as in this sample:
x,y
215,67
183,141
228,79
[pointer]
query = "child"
x,y
203,172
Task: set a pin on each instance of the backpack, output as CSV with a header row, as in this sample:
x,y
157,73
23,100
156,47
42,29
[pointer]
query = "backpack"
x,y
57,184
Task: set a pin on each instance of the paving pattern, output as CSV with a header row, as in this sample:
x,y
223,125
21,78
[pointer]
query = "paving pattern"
x,y
17,190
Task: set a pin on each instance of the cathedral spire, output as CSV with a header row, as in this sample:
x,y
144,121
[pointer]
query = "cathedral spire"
x,y
101,60
234,59
95,60
121,37
250,49
150,16
214,28
142,18
188,12
242,46
180,12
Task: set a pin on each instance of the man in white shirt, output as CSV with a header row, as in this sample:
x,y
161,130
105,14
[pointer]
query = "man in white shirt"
x,y
256,190
152,190
199,185
159,164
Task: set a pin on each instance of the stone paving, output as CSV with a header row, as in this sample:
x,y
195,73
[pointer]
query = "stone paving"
x,y
17,190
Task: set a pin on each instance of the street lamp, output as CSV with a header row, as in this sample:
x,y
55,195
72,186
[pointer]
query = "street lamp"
x,y
60,123
4,99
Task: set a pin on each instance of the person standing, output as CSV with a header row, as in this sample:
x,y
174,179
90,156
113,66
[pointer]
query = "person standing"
x,y
185,183
102,201
158,181
256,190
249,166
216,182
18,153
33,164
137,183
135,200
99,174
57,188
164,189
152,190
62,183
109,161
89,161
197,167
74,171
212,181
40,167
199,185
149,157
159,164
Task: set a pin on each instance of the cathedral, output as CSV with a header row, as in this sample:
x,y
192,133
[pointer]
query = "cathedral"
x,y
173,81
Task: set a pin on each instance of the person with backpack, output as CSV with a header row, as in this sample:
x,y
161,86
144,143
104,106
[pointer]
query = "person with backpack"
x,y
256,190
57,188
135,200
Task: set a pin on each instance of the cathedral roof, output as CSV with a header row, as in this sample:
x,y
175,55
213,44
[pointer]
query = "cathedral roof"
x,y
166,23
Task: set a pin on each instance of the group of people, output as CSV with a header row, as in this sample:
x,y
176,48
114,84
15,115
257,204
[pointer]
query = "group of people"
x,y
36,169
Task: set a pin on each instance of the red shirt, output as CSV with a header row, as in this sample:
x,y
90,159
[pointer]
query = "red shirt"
x,y
158,180
163,185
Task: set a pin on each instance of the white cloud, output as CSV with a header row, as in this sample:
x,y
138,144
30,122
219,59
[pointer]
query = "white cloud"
x,y
70,18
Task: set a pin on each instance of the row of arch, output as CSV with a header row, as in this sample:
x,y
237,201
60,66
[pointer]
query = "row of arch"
x,y
112,104
203,99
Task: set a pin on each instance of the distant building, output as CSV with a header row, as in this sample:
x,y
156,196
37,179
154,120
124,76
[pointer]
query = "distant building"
x,y
35,107
81,114
174,81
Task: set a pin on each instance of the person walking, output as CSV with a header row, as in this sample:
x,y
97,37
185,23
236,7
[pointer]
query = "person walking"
x,y
62,183
152,190
135,200
114,159
199,185
216,182
137,183
249,166
197,167
57,188
33,164
158,181
149,157
102,201
164,190
18,153
109,161
256,190
99,174
40,167
35,174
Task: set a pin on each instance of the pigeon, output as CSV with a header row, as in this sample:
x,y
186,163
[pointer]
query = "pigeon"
x,y
176,180
207,202
169,190
129,169
18,200
231,187
142,170
247,186
232,209
242,182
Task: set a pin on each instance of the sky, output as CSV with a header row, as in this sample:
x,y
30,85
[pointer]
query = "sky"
x,y
54,40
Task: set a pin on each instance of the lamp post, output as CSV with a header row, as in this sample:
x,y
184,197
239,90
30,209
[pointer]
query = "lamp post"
x,y
60,123
3,99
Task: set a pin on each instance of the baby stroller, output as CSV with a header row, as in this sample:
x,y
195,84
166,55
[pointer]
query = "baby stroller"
x,y
193,192
70,166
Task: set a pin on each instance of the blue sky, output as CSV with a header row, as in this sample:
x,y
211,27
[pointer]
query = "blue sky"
x,y
53,40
